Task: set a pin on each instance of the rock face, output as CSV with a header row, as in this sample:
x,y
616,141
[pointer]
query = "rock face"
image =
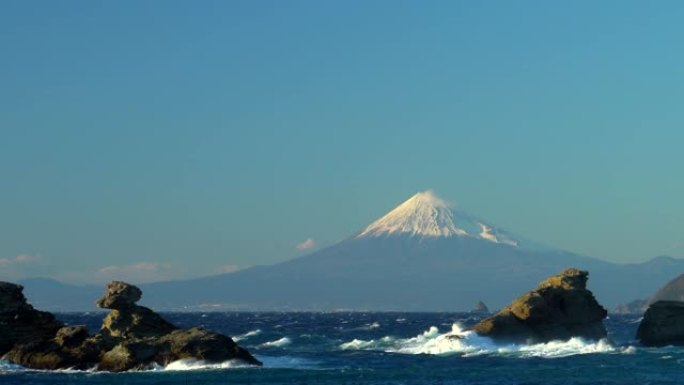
x,y
559,309
128,320
131,337
663,324
19,321
119,295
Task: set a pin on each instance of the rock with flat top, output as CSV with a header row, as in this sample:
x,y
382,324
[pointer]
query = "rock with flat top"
x,y
119,295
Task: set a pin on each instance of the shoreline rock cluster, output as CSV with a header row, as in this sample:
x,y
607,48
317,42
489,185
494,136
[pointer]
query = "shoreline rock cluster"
x,y
135,337
131,337
561,308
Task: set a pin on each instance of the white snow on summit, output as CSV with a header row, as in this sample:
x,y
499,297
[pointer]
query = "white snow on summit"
x,y
423,214
426,215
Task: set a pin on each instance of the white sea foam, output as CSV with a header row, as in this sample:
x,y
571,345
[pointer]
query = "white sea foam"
x,y
370,326
566,348
468,343
8,367
629,350
250,333
277,343
180,365
193,364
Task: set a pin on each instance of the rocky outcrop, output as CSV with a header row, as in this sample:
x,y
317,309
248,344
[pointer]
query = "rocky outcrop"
x,y
128,320
119,295
663,324
559,309
19,321
131,337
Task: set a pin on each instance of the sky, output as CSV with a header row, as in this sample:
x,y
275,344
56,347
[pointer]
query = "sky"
x,y
173,139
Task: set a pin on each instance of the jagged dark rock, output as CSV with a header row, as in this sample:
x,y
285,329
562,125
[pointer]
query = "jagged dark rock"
x,y
663,324
71,336
131,337
19,321
135,322
559,309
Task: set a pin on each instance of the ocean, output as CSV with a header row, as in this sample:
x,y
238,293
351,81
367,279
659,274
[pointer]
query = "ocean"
x,y
385,348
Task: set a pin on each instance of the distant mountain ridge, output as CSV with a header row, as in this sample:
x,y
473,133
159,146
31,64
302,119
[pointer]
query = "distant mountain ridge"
x,y
421,256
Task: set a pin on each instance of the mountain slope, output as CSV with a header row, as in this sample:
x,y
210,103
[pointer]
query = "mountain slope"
x,y
421,256
392,273
672,291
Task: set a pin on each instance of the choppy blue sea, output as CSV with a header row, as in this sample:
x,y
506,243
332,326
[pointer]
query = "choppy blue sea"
x,y
387,348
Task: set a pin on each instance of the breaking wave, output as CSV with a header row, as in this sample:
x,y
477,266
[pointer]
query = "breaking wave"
x,y
180,365
8,367
469,343
193,364
250,333
277,343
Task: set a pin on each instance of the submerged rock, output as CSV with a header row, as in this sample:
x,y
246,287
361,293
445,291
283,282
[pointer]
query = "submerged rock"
x,y
559,309
663,324
131,337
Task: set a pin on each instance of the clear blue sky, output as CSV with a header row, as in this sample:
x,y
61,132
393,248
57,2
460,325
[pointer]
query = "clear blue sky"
x,y
175,139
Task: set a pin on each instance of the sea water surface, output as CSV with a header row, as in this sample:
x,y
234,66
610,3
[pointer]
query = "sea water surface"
x,y
386,348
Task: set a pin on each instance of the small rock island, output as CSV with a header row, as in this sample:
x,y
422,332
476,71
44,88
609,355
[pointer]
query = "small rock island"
x,y
559,309
131,337
480,308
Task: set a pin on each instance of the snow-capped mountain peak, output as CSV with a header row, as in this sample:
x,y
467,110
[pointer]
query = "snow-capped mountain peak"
x,y
423,214
426,215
